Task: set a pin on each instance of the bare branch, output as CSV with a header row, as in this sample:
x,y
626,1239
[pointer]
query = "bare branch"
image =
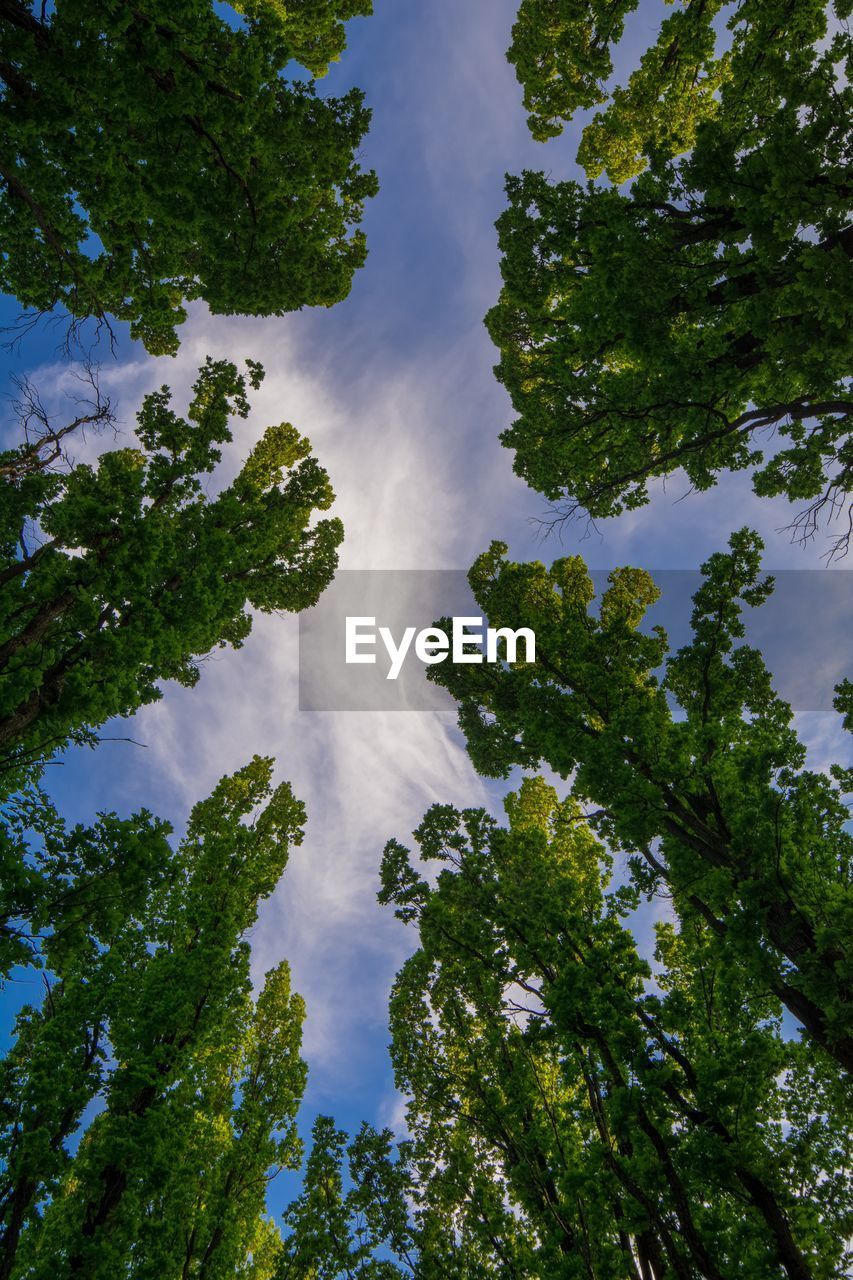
x,y
44,442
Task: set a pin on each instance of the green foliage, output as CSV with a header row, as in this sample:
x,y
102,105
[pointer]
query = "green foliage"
x,y
561,54
139,573
149,1022
154,154
66,893
698,776
700,320
577,1106
333,1232
695,71
310,31
575,1112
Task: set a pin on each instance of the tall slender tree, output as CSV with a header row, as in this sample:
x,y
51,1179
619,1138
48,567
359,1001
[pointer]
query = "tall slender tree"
x,y
634,1120
150,1099
578,1106
350,1218
118,575
699,776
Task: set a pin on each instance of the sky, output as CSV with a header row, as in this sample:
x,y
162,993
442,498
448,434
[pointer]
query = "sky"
x,y
394,388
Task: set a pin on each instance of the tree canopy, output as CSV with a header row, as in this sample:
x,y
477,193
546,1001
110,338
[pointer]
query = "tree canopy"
x,y
698,320
578,1109
710,61
351,1217
123,573
156,154
697,776
149,1099
579,1103
625,1035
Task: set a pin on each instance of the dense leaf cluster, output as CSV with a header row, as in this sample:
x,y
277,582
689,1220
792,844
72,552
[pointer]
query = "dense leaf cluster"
x,y
699,319
698,775
155,154
149,1099
117,575
590,1114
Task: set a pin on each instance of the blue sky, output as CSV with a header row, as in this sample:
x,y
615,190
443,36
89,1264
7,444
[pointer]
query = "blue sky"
x,y
394,388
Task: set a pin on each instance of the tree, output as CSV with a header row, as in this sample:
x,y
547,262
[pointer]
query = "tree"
x,y
66,896
149,1021
335,1232
63,890
575,1112
698,320
368,1212
153,155
573,1109
562,51
698,776
137,573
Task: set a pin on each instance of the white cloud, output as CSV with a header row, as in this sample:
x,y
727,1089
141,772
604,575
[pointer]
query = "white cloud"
x,y
364,777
